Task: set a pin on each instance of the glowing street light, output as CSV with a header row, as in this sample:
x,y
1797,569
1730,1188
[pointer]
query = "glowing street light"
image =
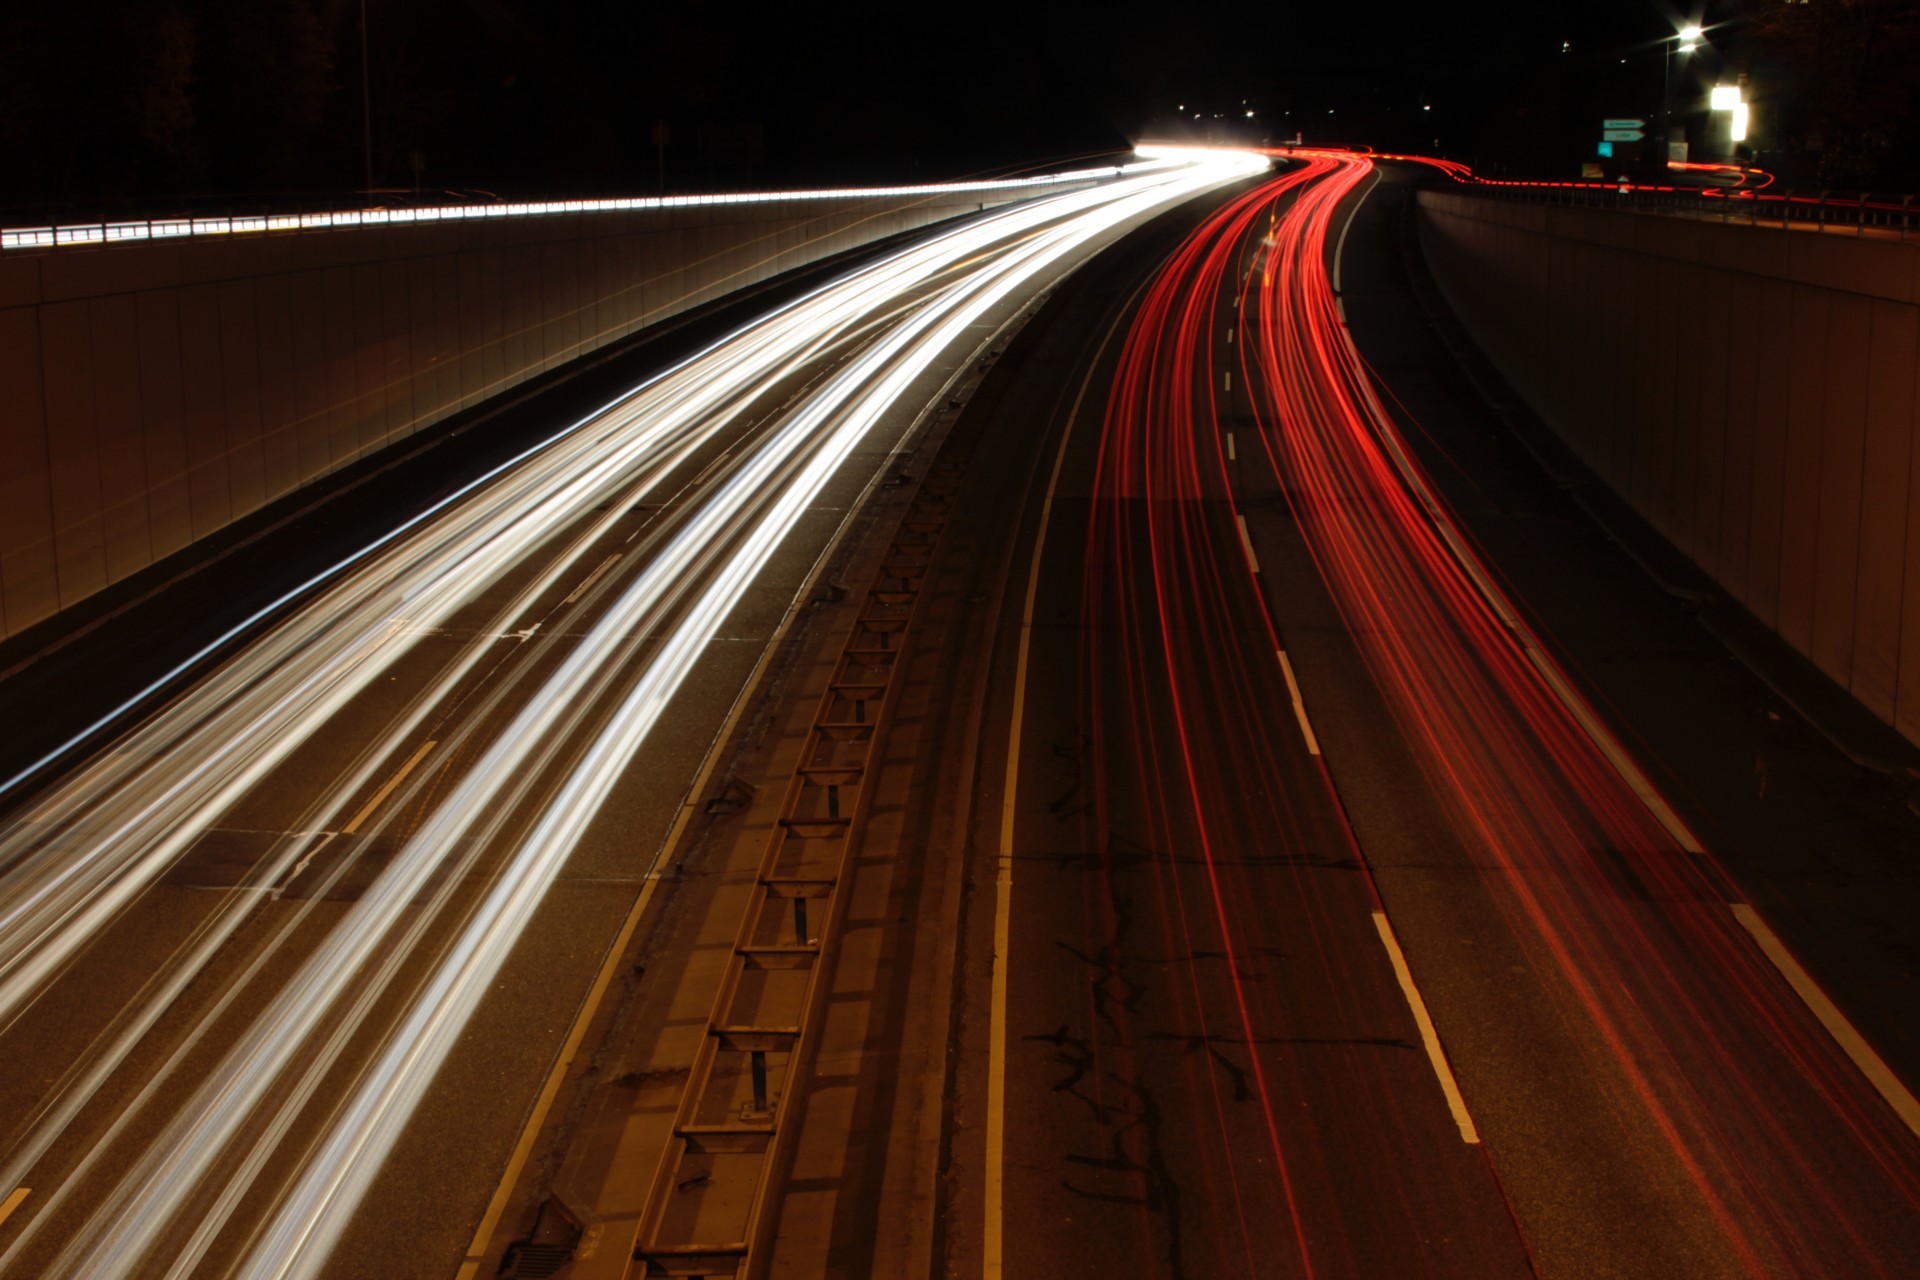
x,y
1688,39
1727,97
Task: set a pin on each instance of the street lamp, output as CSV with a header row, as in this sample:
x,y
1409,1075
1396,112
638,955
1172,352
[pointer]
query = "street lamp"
x,y
1688,39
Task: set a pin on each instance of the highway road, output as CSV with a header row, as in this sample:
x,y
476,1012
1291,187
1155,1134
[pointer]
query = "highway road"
x,y
282,967
1296,839
1310,914
1464,995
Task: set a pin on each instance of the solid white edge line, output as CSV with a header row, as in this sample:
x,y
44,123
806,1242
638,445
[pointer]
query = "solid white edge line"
x,y
536,1119
1299,704
1340,249
1851,1042
1428,1036
1562,689
1871,1065
992,1250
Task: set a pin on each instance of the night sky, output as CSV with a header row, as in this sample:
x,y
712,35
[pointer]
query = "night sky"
x,y
199,101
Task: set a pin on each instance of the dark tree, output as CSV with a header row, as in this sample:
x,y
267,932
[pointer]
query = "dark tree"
x,y
1852,69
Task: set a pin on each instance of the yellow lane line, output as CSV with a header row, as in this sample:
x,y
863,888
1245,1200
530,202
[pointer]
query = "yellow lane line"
x,y
523,1150
380,796
1870,1063
13,1202
592,578
1428,1036
993,1202
1299,704
536,1119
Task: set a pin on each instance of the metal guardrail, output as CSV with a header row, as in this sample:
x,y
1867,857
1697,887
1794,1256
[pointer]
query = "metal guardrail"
x,y
734,1128
1896,216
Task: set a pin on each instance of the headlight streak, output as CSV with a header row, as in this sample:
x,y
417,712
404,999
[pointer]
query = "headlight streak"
x,y
316,1212
52,898
773,485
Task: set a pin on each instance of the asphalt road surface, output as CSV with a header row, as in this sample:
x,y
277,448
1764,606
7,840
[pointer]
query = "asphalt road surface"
x,y
1212,946
1316,834
283,967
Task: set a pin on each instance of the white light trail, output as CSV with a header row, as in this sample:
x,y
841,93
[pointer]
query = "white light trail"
x,y
16,238
91,848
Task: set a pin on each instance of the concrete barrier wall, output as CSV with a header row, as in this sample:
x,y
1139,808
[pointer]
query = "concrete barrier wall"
x,y
1753,392
153,393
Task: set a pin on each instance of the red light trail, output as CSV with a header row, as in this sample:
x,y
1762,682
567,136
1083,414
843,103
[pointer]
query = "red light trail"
x,y
1706,1054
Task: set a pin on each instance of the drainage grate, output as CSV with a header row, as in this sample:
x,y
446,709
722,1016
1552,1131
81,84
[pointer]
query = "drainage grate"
x,y
534,1261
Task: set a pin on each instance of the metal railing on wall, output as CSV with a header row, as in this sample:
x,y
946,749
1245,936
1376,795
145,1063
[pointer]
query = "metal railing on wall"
x,y
1863,212
14,239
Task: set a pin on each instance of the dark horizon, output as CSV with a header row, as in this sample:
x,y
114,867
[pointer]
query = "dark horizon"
x,y
188,101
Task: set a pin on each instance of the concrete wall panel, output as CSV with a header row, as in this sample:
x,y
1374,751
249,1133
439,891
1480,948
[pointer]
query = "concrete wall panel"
x,y
163,422
1800,500
369,327
313,397
29,583
1886,502
114,331
574,330
279,395
344,402
1763,409
73,453
240,382
396,350
1842,450
1769,450
422,327
150,393
549,286
1906,713
1736,490
446,334
204,401
473,330
20,282
1708,407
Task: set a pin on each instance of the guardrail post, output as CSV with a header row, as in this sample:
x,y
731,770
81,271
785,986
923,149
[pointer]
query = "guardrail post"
x,y
1860,227
1906,218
